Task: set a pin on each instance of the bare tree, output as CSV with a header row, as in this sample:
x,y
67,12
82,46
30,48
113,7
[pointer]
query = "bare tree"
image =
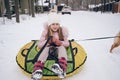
x,y
32,8
17,10
2,10
7,6
29,4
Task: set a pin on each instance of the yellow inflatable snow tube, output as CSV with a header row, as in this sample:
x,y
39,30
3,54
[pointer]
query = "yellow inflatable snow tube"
x,y
26,58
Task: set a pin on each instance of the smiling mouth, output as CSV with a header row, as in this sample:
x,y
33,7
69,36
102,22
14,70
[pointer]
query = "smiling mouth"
x,y
55,29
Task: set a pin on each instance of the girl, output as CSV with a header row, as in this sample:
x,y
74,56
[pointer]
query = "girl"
x,y
59,40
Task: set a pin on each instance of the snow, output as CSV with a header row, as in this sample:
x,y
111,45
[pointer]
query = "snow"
x,y
100,64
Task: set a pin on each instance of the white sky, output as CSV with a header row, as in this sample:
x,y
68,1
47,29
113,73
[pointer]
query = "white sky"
x,y
100,64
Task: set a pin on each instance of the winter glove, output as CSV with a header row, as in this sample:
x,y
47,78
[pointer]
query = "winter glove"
x,y
55,42
51,42
58,42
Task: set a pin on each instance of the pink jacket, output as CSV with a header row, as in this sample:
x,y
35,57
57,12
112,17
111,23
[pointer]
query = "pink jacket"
x,y
42,40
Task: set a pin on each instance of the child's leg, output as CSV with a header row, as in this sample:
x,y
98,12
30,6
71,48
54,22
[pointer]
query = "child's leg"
x,y
62,52
62,56
39,65
60,68
41,60
43,56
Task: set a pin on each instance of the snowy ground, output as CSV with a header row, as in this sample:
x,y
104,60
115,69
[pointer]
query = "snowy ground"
x,y
100,64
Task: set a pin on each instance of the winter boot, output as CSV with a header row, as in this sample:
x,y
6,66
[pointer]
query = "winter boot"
x,y
60,69
63,63
37,75
37,71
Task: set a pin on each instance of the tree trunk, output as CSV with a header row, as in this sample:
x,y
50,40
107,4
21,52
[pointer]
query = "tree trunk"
x,y
17,11
42,6
32,8
8,12
24,6
29,4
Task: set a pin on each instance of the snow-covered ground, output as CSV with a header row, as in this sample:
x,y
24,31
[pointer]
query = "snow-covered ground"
x,y
100,64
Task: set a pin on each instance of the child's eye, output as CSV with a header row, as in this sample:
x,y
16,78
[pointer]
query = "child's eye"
x,y
55,24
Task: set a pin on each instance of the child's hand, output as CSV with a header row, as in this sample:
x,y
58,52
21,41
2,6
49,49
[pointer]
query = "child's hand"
x,y
58,42
53,39
55,42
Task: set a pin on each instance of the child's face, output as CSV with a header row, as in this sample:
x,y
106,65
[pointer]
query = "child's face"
x,y
55,26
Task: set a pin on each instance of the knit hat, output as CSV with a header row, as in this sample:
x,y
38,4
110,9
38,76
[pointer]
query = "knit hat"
x,y
53,18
